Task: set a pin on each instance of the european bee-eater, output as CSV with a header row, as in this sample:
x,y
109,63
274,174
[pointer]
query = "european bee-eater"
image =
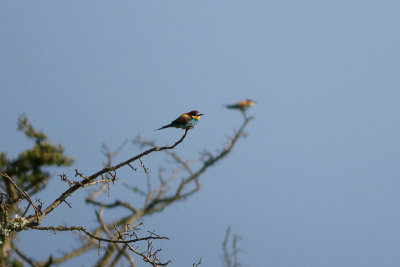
x,y
242,105
185,121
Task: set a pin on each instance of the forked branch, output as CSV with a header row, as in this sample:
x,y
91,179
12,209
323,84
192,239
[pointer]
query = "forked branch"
x,y
90,179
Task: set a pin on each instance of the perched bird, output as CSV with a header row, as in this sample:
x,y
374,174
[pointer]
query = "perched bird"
x,y
185,121
242,105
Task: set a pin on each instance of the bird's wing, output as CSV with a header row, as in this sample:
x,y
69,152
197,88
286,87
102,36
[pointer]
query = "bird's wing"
x,y
184,118
242,104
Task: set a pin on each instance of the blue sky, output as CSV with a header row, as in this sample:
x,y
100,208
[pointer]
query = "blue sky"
x,y
316,183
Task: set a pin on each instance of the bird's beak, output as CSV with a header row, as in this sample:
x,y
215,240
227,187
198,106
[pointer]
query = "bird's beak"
x,y
200,114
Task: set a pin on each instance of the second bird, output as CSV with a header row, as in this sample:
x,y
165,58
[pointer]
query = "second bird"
x,y
185,121
242,105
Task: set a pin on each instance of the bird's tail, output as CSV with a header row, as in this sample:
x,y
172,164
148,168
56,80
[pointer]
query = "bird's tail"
x,y
165,126
231,106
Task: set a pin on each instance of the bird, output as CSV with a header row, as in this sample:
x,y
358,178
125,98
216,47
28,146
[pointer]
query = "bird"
x,y
242,105
185,121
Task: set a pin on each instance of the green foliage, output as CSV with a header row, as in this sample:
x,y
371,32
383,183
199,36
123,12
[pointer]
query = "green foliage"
x,y
11,263
28,167
16,263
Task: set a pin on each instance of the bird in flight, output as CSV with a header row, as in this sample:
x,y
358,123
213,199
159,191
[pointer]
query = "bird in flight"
x,y
185,121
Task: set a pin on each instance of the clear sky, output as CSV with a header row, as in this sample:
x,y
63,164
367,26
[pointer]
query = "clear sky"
x,y
316,183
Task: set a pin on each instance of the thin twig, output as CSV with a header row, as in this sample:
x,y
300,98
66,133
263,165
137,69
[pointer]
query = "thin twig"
x,y
38,212
82,229
227,259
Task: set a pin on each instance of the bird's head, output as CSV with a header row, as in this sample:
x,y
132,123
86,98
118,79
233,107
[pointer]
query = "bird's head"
x,y
250,102
195,114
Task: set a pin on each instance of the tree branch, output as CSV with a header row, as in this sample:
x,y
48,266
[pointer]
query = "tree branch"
x,y
82,229
38,212
91,178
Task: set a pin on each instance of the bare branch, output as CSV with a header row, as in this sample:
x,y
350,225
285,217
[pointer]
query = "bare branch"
x,y
24,257
82,229
121,250
227,259
38,211
198,263
149,256
146,170
91,178
117,203
235,250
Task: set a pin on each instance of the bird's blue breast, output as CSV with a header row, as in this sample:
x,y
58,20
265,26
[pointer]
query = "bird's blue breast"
x,y
191,123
